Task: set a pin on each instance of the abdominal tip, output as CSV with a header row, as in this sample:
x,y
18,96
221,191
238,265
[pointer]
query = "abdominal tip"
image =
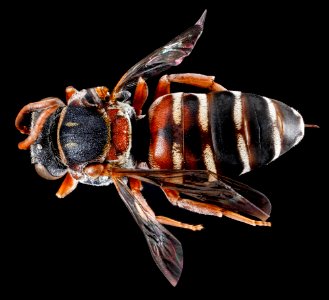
x,y
311,126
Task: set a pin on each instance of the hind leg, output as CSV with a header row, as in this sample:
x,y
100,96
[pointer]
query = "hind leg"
x,y
140,96
209,209
198,80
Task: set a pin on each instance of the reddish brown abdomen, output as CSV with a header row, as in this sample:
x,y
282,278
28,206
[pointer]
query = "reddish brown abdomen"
x,y
225,132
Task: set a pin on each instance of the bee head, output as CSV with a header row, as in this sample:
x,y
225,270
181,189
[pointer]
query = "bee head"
x,y
42,136
44,151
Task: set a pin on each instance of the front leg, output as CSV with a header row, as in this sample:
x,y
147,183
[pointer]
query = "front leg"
x,y
46,107
198,80
68,185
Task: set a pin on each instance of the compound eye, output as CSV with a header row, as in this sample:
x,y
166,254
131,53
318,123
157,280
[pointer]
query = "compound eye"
x,y
43,172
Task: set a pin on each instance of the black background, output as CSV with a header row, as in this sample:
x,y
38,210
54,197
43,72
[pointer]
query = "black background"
x,y
87,243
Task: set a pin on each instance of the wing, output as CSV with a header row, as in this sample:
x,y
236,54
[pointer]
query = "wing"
x,y
166,250
205,186
171,54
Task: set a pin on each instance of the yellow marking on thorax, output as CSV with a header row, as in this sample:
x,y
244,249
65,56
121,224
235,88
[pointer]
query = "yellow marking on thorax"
x,y
71,124
71,145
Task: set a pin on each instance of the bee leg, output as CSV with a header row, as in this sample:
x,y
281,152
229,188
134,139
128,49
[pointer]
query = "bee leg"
x,y
35,106
163,87
68,185
198,80
48,106
99,102
102,92
95,170
140,96
208,209
168,221
136,187
69,92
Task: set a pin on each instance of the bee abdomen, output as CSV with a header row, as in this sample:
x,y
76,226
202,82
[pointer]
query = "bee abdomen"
x,y
226,132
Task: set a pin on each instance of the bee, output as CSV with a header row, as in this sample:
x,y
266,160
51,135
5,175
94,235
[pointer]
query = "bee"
x,y
197,142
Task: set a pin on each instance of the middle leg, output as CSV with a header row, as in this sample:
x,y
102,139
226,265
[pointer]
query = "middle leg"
x,y
136,187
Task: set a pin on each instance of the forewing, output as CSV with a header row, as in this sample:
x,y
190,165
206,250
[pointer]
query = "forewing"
x,y
171,54
205,186
166,250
